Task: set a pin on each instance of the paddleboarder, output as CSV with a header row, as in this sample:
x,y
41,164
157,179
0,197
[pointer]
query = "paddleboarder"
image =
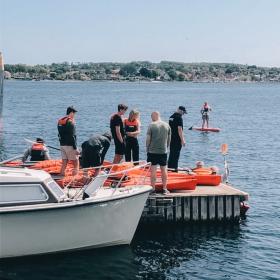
x,y
205,114
177,137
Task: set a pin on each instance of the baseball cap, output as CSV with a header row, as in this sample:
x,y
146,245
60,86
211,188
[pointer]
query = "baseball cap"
x,y
183,109
71,109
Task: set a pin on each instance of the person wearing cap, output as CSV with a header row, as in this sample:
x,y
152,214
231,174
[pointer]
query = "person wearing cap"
x,y
37,152
118,133
95,149
177,137
68,140
205,114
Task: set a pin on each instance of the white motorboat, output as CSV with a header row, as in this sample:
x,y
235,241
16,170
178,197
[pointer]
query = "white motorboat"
x,y
37,217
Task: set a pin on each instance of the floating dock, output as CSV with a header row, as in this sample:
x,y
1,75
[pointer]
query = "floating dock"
x,y
205,203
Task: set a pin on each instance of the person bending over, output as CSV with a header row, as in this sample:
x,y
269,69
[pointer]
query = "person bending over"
x,y
94,150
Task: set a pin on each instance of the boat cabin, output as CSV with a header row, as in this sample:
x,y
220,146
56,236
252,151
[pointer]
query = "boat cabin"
x,y
22,186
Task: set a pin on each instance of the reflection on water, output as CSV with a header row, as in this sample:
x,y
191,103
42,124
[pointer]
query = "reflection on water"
x,y
106,263
160,250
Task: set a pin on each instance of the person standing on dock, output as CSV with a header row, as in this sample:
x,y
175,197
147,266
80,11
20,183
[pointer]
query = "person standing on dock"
x,y
177,137
157,143
37,152
68,140
117,130
132,130
205,114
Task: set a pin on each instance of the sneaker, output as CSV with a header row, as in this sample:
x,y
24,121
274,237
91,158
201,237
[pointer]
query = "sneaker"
x,y
166,191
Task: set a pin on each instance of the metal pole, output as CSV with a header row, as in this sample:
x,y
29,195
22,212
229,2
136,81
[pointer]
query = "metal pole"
x,y
1,75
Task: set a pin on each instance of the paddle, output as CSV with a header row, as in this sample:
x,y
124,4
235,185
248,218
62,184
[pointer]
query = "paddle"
x,y
224,152
33,142
194,124
11,159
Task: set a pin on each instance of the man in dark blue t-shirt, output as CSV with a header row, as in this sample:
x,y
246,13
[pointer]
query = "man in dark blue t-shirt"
x,y
177,137
117,130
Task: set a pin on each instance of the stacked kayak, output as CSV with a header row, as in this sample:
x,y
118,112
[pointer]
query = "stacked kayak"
x,y
206,177
53,167
176,181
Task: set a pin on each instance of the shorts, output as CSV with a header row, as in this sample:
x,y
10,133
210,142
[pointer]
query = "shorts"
x,y
119,147
205,117
69,153
157,159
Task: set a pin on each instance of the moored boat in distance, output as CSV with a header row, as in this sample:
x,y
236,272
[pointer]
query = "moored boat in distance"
x,y
37,216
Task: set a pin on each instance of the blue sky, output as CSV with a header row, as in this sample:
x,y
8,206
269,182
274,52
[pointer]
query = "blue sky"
x,y
237,31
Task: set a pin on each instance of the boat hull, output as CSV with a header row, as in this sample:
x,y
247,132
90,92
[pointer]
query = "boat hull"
x,y
71,226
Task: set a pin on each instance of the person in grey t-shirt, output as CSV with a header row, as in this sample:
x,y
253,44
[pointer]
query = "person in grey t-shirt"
x,y
157,143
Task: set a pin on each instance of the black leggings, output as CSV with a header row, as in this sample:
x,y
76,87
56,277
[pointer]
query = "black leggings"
x,y
131,148
174,156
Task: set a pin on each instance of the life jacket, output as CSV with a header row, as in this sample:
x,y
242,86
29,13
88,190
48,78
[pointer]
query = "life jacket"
x,y
63,121
37,152
63,130
130,126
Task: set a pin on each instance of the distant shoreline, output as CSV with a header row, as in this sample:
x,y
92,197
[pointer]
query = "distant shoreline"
x,y
164,71
145,81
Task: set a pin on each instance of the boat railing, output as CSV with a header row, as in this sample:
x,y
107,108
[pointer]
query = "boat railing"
x,y
114,178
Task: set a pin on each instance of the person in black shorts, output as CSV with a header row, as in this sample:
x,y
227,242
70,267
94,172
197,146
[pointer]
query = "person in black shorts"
x,y
177,137
117,130
157,143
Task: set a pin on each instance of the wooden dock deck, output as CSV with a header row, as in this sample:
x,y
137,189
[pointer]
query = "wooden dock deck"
x,y
205,203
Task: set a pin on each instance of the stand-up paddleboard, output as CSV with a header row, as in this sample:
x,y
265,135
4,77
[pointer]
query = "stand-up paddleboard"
x,y
209,129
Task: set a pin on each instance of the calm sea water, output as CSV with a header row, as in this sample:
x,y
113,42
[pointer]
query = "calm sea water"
x,y
248,115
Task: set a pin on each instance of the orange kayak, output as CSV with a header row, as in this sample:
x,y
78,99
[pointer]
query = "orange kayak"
x,y
178,184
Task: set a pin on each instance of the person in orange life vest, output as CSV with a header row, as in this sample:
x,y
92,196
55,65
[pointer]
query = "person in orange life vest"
x,y
37,152
132,130
117,130
205,114
68,140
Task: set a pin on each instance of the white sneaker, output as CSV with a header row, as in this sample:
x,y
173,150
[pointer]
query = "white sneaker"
x,y
166,191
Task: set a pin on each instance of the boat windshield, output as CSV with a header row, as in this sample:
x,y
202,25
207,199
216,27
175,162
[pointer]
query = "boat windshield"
x,y
56,190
